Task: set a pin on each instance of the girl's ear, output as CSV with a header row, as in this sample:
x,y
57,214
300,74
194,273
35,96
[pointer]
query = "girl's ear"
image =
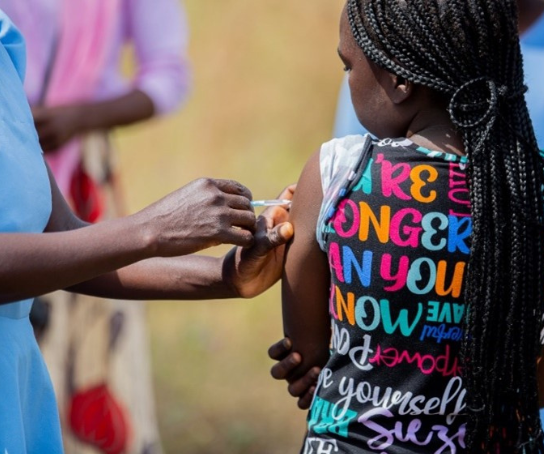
x,y
401,89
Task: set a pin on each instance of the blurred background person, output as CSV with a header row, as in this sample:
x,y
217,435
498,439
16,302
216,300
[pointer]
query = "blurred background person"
x,y
97,350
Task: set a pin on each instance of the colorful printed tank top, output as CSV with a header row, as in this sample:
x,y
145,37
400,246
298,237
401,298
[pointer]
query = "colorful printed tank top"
x,y
396,233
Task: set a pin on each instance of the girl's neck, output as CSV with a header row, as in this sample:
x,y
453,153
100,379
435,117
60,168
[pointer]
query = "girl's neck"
x,y
435,132
529,12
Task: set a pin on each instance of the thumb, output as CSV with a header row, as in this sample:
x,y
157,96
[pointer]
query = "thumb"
x,y
280,234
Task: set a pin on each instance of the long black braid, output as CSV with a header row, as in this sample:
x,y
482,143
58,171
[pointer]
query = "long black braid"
x,y
469,51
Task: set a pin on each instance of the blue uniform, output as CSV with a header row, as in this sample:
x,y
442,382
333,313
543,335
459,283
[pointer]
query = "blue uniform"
x,y
29,421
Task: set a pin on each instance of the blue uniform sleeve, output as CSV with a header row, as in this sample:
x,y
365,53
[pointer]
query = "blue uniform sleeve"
x,y
14,43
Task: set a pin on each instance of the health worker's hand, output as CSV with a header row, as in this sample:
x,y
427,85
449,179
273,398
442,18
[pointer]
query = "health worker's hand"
x,y
202,214
251,271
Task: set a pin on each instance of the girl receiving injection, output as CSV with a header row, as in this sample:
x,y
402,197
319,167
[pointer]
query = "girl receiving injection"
x,y
424,249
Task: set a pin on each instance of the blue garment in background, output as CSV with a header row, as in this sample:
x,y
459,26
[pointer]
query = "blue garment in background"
x,y
29,421
532,47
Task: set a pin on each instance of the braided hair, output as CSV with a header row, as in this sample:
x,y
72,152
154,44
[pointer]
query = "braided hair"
x,y
469,52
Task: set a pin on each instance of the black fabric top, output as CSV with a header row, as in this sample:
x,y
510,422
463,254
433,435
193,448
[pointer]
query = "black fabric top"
x,y
398,247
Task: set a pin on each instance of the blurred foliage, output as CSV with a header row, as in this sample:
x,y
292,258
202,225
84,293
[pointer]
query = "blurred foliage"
x,y
265,80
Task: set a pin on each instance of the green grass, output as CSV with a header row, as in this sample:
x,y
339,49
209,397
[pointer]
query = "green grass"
x,y
266,77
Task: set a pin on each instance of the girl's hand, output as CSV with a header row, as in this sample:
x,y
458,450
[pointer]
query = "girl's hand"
x,y
251,271
287,362
204,213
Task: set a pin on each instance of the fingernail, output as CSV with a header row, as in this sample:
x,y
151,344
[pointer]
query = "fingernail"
x,y
286,230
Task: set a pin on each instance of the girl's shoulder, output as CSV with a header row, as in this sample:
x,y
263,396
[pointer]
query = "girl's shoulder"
x,y
340,154
344,161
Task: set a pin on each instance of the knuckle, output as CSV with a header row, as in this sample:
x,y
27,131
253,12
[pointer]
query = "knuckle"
x,y
224,220
247,238
241,189
219,198
206,183
216,199
273,237
238,186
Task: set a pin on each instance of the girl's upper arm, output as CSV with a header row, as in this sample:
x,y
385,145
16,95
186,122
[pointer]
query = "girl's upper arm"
x,y
306,276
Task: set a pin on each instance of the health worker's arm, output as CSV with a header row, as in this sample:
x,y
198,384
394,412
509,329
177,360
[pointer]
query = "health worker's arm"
x,y
241,273
202,214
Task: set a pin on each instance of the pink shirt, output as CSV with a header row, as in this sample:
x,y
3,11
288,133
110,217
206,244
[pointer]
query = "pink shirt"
x,y
157,30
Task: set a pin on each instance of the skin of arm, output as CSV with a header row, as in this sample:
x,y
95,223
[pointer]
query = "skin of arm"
x,y
202,214
57,125
187,278
241,273
127,109
306,278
